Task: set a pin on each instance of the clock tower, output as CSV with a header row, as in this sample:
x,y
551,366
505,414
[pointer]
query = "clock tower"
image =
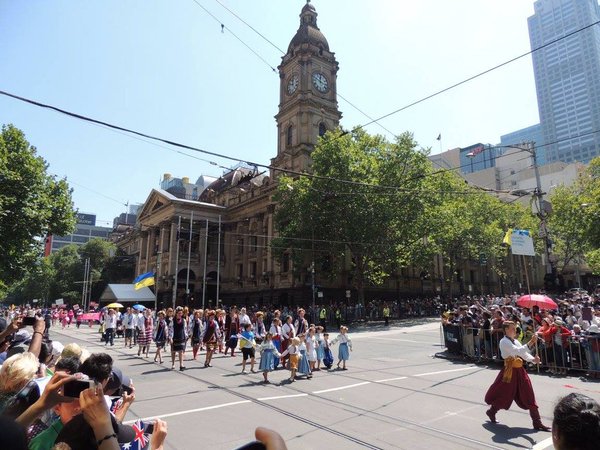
x,y
307,95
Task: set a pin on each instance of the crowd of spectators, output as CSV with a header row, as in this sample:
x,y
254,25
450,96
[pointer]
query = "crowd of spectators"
x,y
568,335
56,396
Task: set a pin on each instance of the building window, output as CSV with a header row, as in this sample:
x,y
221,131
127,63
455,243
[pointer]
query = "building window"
x,y
322,129
253,243
290,136
240,247
240,271
253,270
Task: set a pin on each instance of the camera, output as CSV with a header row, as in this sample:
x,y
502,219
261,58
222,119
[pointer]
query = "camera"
x,y
27,321
75,387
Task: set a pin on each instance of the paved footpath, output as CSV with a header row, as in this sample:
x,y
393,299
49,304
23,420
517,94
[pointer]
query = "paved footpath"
x,y
396,394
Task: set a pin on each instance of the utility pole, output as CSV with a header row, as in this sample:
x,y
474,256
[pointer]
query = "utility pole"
x,y
542,213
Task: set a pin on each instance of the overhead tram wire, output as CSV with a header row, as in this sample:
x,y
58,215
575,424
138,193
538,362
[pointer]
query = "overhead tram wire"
x,y
189,147
275,46
478,75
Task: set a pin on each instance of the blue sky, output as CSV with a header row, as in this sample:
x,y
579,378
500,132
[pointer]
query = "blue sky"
x,y
166,69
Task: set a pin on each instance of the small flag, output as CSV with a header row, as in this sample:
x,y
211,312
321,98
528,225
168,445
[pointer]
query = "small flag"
x,y
439,138
143,280
476,151
141,440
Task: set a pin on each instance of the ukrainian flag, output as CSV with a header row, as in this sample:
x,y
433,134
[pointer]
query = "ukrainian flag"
x,y
143,280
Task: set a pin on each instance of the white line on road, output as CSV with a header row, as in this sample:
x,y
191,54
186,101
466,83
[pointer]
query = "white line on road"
x,y
546,443
342,387
390,379
179,413
399,340
282,396
444,371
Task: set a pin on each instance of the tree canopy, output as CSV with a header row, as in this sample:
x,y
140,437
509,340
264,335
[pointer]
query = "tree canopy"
x,y
33,203
379,206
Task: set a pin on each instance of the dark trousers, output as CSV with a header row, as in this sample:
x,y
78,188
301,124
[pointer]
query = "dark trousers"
x,y
109,335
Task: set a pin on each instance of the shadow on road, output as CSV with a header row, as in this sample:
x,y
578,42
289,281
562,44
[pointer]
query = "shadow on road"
x,y
504,434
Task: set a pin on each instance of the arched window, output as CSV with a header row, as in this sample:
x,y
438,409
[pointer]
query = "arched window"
x,y
290,135
322,129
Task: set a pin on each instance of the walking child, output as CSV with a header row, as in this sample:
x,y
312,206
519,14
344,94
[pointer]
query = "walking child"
x,y
327,354
293,355
345,345
320,346
303,363
247,344
268,354
311,348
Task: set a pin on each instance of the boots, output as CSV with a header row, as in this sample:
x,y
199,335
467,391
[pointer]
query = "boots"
x,y
537,420
491,413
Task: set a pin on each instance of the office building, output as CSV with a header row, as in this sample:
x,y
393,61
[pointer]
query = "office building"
x,y
85,230
567,77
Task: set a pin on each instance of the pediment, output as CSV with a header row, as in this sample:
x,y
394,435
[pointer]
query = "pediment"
x,y
153,203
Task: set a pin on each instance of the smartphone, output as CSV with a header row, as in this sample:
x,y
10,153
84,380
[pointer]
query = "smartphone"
x,y
149,428
29,320
22,400
75,387
254,445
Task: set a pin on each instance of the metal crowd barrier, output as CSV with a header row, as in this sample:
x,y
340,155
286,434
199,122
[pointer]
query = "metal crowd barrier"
x,y
576,353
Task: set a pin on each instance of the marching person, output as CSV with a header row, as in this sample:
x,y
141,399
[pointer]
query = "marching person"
x,y
178,337
160,336
301,324
275,332
345,344
232,328
195,332
513,383
111,326
129,324
268,354
288,332
210,337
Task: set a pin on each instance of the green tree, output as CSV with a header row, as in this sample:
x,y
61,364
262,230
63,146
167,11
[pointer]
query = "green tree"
x,y
32,204
371,222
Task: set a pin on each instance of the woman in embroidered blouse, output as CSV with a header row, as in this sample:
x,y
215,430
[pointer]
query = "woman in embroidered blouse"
x,y
160,336
275,331
195,331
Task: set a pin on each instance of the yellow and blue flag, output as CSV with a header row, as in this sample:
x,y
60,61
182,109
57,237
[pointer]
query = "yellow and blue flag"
x,y
143,280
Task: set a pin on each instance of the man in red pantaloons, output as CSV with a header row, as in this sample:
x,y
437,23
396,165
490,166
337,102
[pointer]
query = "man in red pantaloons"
x,y
513,383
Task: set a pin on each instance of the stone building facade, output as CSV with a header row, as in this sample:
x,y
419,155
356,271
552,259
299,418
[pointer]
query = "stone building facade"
x,y
229,255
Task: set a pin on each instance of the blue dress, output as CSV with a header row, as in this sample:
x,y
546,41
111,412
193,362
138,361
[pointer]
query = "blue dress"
x,y
267,360
343,353
303,366
320,351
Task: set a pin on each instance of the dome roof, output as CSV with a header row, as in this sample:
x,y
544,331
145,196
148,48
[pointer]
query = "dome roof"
x,y
309,32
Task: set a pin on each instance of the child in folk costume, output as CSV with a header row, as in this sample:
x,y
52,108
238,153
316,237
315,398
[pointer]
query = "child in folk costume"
x,y
345,345
178,337
259,328
320,347
232,328
247,344
311,347
275,331
293,353
303,364
160,336
268,355
195,331
210,337
328,355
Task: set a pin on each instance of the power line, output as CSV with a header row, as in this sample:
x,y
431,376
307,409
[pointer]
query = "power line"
x,y
283,53
471,78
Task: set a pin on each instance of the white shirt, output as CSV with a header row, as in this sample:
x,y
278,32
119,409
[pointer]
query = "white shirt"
x,y
288,331
342,339
510,348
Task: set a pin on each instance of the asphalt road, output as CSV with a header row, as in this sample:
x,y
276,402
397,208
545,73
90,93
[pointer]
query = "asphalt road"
x,y
396,394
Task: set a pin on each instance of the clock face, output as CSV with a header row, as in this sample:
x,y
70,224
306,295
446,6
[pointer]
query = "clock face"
x,y
320,82
293,84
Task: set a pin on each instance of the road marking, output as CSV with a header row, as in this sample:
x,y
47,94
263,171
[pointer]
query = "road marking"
x,y
390,379
281,396
546,443
444,371
179,413
398,340
349,386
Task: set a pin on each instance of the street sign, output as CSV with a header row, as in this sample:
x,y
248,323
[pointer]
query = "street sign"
x,y
320,294
348,294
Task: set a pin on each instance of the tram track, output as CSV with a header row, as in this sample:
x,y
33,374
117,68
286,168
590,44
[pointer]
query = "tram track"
x,y
353,409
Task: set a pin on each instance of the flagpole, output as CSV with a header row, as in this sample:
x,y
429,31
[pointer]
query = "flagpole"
x,y
218,263
176,262
205,253
187,279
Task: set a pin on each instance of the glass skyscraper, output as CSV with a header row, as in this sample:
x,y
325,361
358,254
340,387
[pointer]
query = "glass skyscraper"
x,y
567,77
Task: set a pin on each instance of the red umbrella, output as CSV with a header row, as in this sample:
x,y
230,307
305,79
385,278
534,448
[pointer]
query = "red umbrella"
x,y
541,301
